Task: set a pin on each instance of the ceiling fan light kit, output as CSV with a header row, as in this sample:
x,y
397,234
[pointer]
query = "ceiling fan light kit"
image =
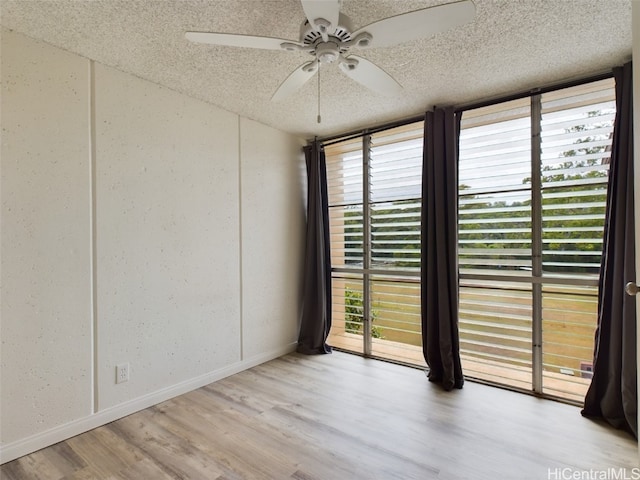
x,y
328,36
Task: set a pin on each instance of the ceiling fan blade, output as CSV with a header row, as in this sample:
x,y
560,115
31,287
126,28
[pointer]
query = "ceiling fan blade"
x,y
370,75
326,9
418,24
233,40
296,80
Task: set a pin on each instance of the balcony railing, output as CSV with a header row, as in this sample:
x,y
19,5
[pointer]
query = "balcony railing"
x,y
495,330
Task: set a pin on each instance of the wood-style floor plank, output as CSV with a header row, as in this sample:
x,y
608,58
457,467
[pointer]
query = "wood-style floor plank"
x,y
336,416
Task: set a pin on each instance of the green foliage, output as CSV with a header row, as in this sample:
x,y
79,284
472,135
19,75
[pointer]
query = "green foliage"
x,y
499,231
353,314
395,232
572,208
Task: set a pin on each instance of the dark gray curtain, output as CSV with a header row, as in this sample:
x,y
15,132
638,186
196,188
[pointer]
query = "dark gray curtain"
x,y
439,263
316,309
613,394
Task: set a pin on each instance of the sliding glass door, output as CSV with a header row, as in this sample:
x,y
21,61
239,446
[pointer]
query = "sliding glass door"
x,y
374,209
532,191
532,194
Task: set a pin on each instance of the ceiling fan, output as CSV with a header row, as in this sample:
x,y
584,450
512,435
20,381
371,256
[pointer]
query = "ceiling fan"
x,y
327,35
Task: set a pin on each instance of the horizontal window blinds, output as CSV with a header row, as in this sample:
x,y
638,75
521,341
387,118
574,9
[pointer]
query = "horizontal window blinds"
x,y
396,184
345,191
577,128
375,186
495,189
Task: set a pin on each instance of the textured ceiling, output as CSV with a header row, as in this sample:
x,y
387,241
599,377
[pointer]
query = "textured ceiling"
x,y
512,45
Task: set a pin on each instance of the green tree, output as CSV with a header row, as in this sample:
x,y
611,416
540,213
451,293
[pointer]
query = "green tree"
x,y
572,203
354,314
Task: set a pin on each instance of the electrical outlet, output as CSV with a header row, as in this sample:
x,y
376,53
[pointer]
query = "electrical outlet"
x,y
122,373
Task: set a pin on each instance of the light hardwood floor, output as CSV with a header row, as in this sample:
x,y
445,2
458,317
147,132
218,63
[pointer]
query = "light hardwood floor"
x,y
338,417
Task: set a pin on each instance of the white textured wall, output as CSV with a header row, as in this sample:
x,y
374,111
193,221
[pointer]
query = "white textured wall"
x,y
168,236
45,330
191,263
272,219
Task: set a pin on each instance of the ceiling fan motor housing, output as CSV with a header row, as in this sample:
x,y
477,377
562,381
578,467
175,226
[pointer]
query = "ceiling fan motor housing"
x,y
327,52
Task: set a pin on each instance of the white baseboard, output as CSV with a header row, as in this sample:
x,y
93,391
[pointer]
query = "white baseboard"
x,y
57,434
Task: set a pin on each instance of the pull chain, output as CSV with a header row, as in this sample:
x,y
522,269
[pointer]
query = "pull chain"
x,y
319,118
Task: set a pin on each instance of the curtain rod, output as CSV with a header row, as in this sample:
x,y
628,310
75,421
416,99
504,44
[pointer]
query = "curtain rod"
x,y
534,91
333,139
364,131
